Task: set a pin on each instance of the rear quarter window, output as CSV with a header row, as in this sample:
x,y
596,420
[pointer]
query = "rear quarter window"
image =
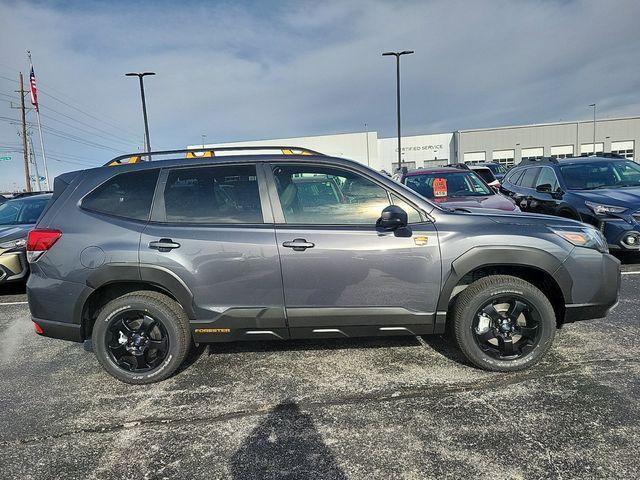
x,y
127,195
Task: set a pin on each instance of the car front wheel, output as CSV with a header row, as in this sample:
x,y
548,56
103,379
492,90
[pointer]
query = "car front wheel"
x,y
141,337
503,323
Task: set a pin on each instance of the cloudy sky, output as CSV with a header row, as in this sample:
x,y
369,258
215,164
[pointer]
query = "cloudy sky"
x,y
243,70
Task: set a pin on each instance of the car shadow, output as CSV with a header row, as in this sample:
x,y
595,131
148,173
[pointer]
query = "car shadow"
x,y
628,258
13,288
311,344
439,343
447,348
285,444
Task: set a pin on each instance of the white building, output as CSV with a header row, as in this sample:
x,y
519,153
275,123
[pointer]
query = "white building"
x,y
506,145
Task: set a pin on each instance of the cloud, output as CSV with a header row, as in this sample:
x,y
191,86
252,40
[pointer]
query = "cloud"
x,y
250,70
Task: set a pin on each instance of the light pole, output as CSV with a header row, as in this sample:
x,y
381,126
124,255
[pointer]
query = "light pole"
x,y
144,105
594,128
367,142
398,55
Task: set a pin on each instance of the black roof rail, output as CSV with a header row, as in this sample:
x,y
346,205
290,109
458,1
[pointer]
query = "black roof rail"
x,y
532,161
459,166
205,152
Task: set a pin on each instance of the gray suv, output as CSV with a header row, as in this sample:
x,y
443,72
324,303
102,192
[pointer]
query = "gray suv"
x,y
148,258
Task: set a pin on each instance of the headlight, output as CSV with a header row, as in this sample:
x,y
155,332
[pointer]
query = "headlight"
x,y
20,242
586,237
600,209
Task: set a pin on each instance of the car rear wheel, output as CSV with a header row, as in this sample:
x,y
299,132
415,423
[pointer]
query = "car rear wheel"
x,y
503,323
141,337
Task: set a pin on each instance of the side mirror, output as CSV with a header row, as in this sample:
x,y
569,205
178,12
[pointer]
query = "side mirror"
x,y
394,219
544,188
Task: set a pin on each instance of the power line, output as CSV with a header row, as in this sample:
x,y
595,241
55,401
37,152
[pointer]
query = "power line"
x,y
85,113
112,137
128,140
87,131
65,135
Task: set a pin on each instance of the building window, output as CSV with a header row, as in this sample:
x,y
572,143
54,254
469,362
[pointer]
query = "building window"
x,y
624,149
504,157
562,151
586,149
534,153
474,157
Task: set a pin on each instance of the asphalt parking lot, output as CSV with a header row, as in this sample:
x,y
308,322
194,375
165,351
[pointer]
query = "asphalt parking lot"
x,y
361,409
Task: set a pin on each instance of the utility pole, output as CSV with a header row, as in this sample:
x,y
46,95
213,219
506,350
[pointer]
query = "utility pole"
x,y
398,55
24,137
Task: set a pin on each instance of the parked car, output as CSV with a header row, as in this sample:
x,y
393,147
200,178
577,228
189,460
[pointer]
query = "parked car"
x,y
603,192
487,175
17,217
458,188
151,257
498,170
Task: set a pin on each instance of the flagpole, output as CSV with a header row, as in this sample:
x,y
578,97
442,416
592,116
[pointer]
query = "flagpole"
x,y
44,156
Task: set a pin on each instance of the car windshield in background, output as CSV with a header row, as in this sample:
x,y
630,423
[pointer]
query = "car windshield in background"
x,y
448,184
22,212
593,175
497,168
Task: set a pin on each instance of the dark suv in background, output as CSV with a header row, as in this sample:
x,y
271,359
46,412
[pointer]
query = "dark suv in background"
x,y
604,192
147,258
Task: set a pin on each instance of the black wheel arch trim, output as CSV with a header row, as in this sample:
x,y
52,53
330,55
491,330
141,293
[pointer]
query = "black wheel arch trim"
x,y
510,256
154,275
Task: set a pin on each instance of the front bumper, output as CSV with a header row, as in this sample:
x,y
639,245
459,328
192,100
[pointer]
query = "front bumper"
x,y
13,266
596,284
621,235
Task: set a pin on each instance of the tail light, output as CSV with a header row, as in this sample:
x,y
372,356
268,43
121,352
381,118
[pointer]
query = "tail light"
x,y
39,241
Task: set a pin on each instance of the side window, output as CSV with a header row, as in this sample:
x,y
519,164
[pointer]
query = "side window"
x,y
412,214
513,176
548,177
313,194
529,177
219,194
127,195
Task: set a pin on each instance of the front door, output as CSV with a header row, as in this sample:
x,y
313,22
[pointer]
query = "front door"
x,y
341,276
545,196
212,231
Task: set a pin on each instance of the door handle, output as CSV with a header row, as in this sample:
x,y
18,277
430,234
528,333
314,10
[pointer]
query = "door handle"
x,y
299,244
164,245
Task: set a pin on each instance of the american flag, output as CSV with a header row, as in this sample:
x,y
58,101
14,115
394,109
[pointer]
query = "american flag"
x,y
34,91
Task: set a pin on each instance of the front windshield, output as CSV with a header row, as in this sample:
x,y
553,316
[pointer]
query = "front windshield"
x,y
497,168
448,184
605,174
24,211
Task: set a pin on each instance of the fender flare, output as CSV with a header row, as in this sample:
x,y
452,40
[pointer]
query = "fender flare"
x,y
155,275
504,255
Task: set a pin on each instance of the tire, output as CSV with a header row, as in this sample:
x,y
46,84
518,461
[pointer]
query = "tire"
x,y
168,328
537,320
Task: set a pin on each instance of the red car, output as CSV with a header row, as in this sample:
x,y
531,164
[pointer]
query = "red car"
x,y
457,188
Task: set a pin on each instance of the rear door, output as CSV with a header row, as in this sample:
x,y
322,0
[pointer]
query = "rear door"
x,y
342,277
526,188
212,230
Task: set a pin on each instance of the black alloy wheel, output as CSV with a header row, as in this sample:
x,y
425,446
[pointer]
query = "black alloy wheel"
x,y
503,323
136,341
507,327
141,337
